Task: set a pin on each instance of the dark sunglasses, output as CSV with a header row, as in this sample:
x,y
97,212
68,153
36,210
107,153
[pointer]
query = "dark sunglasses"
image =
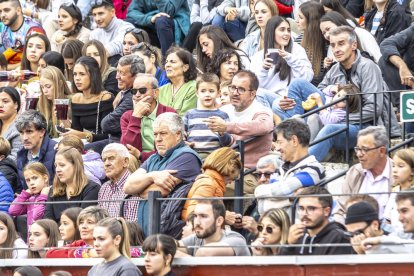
x,y
258,175
260,228
141,90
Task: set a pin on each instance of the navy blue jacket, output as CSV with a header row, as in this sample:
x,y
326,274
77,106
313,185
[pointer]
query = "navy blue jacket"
x,y
46,156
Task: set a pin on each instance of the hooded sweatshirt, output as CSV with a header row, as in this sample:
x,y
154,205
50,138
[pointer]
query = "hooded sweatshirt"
x,y
331,233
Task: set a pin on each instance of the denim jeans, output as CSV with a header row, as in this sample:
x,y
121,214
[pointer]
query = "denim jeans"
x,y
299,90
320,150
235,29
266,98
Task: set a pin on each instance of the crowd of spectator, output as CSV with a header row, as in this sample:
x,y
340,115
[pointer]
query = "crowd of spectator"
x,y
104,102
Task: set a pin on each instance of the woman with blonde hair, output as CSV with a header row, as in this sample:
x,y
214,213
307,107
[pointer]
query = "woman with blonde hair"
x,y
70,184
92,162
53,86
221,167
273,229
111,242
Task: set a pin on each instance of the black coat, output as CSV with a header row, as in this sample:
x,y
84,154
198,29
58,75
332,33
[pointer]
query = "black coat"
x,y
9,170
397,18
332,233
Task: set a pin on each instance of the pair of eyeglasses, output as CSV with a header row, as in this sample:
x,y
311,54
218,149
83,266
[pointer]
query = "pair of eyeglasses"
x,y
259,175
240,90
356,232
365,150
308,209
141,90
268,229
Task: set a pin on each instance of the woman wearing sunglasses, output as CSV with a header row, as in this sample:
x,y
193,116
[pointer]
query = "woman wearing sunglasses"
x,y
273,229
70,26
133,37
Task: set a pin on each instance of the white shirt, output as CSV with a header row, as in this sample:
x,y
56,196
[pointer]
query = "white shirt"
x,y
381,184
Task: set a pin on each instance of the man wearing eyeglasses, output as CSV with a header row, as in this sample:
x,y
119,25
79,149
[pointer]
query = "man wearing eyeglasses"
x,y
110,30
248,118
136,124
372,175
314,208
127,69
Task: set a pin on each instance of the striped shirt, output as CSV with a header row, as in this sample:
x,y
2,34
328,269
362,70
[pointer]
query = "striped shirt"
x,y
205,141
376,22
111,193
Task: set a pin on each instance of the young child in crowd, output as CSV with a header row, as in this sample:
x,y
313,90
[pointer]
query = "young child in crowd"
x,y
37,179
337,113
225,93
203,140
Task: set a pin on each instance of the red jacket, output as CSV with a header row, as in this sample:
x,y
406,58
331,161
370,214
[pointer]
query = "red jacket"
x,y
283,10
68,251
131,129
121,8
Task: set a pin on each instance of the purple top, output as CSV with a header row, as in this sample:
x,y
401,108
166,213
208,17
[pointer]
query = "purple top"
x,y
333,116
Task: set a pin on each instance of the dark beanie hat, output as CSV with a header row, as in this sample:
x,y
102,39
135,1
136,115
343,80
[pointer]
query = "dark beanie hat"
x,y
361,212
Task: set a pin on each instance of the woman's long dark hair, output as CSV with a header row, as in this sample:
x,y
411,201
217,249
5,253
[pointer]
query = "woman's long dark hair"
x,y
336,5
53,58
25,64
75,13
281,66
220,41
187,58
313,40
92,67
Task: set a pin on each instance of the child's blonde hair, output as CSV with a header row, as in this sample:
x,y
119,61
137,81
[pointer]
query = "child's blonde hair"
x,y
5,147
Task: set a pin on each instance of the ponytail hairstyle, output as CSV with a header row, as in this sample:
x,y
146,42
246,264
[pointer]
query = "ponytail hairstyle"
x,y
76,14
118,227
281,66
148,50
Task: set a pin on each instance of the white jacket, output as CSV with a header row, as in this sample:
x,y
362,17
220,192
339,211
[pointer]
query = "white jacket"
x,y
298,61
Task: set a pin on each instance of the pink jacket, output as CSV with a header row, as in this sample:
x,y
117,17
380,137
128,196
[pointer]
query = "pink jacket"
x,y
33,211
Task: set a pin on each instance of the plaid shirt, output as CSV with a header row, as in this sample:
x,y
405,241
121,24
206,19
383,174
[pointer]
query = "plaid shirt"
x,y
114,192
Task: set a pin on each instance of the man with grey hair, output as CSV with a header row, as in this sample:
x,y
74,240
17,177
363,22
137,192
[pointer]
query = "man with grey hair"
x,y
116,161
37,146
173,165
126,72
373,173
136,124
353,68
266,166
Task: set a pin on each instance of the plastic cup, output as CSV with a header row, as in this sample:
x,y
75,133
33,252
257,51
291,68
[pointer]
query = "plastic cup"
x,y
62,108
273,54
31,103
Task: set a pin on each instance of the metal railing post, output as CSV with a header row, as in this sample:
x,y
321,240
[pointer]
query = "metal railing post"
x,y
347,158
154,212
238,187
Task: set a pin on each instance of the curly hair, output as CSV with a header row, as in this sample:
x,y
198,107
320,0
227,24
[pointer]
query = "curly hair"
x,y
221,57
